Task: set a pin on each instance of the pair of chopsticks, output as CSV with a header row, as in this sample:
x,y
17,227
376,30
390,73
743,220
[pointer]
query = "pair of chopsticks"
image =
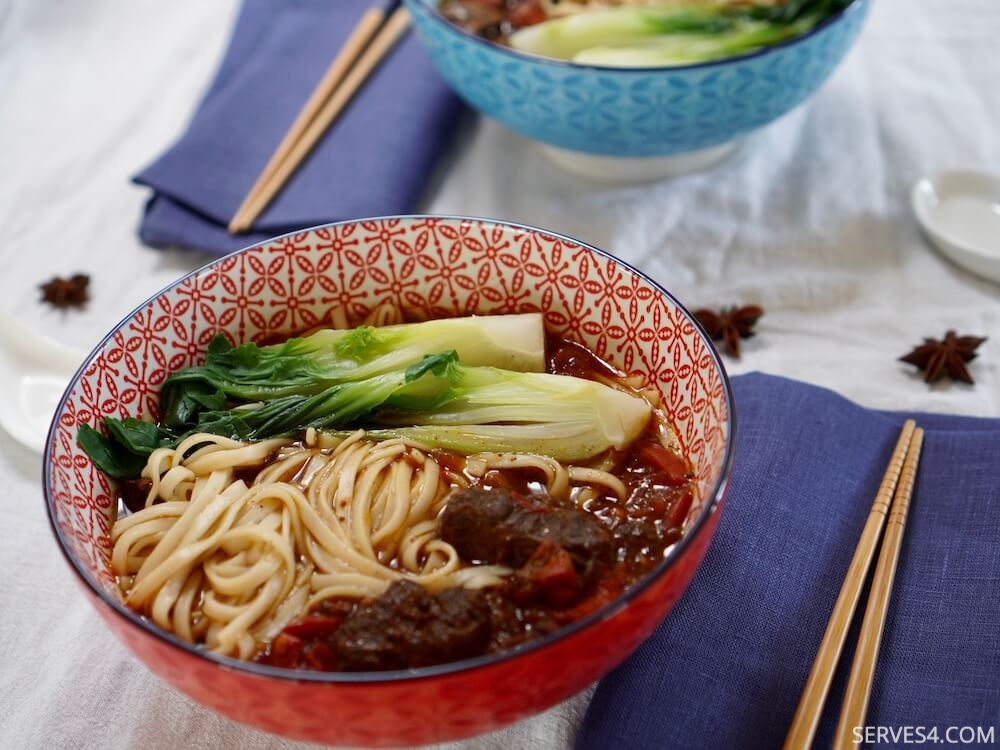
x,y
892,502
370,41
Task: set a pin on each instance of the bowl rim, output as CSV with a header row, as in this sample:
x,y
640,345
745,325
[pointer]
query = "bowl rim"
x,y
257,670
431,12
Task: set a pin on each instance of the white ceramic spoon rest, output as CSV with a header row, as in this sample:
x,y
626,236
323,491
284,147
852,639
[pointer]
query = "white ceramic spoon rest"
x,y
34,372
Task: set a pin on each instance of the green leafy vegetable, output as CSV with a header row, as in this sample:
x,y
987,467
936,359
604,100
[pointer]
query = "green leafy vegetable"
x,y
424,384
436,401
654,37
306,366
122,453
468,409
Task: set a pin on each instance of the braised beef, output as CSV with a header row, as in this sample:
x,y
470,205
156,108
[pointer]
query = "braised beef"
x,y
409,627
471,521
587,541
496,526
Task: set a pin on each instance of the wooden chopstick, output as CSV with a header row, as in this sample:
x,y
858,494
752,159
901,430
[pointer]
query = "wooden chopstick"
x,y
355,43
810,708
345,76
859,685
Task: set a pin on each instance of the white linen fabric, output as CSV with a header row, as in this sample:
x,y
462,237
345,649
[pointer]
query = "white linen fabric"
x,y
810,218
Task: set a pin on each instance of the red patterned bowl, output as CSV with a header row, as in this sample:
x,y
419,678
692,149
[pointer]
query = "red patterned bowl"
x,y
438,267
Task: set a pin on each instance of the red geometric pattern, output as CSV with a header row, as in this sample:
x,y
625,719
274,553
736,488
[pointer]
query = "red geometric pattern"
x,y
429,267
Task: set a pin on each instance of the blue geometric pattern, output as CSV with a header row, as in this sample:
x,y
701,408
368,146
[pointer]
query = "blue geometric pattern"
x,y
644,112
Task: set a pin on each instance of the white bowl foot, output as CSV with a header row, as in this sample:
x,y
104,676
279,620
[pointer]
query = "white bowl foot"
x,y
635,169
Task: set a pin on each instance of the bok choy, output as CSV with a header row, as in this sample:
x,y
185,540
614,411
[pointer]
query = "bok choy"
x,y
309,365
438,402
444,404
123,451
678,34
487,409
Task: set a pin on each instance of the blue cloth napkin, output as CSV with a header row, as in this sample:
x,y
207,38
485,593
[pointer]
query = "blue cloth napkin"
x,y
375,159
727,667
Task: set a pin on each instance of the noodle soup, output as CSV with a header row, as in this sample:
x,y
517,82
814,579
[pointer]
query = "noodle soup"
x,y
465,510
639,33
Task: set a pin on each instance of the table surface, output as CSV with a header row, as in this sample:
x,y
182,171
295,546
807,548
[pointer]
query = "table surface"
x,y
810,218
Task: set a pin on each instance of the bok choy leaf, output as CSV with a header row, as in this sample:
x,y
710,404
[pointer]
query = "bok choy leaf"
x,y
123,451
437,402
309,365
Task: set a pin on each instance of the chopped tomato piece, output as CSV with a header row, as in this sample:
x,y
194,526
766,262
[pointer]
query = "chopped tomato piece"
x,y
605,590
312,626
549,575
679,511
673,468
285,651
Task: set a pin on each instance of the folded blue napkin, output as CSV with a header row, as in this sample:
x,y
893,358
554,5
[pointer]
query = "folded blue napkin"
x,y
375,159
728,665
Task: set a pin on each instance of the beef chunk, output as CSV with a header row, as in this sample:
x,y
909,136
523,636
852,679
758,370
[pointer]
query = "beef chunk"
x,y
472,522
409,627
494,526
589,544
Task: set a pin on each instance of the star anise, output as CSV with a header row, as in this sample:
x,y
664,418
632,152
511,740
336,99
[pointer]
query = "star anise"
x,y
730,324
949,355
63,293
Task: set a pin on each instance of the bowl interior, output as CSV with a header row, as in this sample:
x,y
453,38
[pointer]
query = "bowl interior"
x,y
431,9
427,266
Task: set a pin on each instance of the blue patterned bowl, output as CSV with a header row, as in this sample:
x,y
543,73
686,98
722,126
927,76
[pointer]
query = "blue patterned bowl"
x,y
649,112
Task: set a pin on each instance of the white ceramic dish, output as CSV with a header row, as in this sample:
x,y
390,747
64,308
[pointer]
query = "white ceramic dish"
x,y
34,372
960,212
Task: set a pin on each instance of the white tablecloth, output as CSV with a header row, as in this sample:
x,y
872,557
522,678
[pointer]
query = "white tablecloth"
x,y
810,219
